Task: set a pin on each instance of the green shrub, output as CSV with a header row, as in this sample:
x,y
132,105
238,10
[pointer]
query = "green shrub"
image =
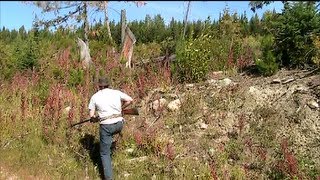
x,y
76,77
234,148
62,39
268,65
57,73
293,33
308,165
42,90
96,46
7,65
168,46
26,53
193,56
146,51
249,51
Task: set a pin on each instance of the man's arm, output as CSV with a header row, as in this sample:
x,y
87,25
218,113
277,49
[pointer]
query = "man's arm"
x,y
92,113
126,103
93,118
92,108
125,99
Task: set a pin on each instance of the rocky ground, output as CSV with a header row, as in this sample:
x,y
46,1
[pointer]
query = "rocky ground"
x,y
261,112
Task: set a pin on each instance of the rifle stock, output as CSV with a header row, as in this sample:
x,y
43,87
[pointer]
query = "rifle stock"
x,y
130,111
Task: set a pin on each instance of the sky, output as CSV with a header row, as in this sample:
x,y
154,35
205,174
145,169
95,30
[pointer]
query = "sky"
x,y
14,14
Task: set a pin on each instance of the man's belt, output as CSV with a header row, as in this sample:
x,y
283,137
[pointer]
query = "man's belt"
x,y
110,117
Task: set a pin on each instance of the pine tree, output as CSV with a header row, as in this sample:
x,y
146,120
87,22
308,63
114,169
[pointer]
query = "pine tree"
x,y
254,25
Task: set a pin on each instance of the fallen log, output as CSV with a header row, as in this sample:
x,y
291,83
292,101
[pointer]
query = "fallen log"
x,y
170,58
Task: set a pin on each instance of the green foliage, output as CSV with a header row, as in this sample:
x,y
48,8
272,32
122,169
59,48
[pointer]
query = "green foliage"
x,y
316,58
233,149
175,29
31,154
116,32
168,46
76,77
308,165
193,56
293,34
275,173
228,25
26,53
157,28
229,49
237,172
22,32
244,24
96,47
254,45
254,25
154,29
267,66
146,51
57,73
7,65
63,39
220,48
268,22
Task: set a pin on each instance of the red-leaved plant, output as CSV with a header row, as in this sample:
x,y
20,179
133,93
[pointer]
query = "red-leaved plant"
x,y
289,164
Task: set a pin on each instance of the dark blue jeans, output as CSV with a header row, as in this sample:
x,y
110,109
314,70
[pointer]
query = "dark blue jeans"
x,y
106,133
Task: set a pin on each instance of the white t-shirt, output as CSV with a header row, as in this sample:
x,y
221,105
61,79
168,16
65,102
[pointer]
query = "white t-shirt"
x,y
107,102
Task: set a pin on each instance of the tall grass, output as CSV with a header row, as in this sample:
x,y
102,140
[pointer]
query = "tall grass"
x,y
37,108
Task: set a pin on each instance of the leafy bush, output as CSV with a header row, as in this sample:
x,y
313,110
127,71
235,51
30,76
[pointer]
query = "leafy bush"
x,y
168,46
249,51
267,66
293,33
26,53
97,46
146,51
42,90
7,66
231,50
193,56
76,77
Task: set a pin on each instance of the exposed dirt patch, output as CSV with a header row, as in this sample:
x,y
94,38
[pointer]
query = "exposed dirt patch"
x,y
6,174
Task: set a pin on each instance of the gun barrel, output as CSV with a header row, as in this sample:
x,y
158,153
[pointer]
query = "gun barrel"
x,y
131,111
80,122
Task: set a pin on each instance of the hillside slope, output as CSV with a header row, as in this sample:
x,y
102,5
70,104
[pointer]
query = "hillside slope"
x,y
239,126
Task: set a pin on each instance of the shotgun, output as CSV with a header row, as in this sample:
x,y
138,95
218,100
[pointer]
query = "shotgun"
x,y
129,111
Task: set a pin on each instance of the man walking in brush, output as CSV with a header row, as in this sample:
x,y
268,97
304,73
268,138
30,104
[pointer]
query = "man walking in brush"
x,y
109,104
